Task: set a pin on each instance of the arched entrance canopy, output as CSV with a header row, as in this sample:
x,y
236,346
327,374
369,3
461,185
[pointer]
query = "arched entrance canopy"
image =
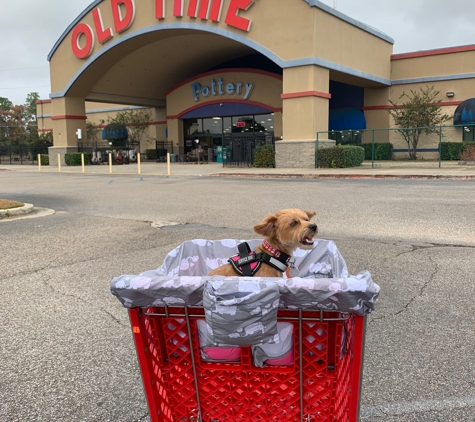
x,y
137,40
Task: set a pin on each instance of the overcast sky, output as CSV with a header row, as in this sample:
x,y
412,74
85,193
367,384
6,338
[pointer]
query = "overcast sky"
x,y
30,28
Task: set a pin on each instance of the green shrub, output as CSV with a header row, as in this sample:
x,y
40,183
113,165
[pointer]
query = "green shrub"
x,y
74,158
341,156
468,153
264,156
151,154
44,159
453,150
382,151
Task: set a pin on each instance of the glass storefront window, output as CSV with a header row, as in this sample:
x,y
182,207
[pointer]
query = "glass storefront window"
x,y
265,122
244,124
227,125
192,126
262,123
213,125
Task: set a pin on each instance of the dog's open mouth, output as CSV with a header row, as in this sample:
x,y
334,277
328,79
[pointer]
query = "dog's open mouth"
x,y
307,241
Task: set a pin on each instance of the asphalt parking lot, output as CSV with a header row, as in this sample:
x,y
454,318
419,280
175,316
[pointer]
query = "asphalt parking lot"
x,y
67,351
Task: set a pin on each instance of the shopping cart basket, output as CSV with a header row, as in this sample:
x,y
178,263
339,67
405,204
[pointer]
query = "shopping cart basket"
x,y
320,382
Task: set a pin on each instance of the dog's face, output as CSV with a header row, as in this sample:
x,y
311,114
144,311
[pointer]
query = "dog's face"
x,y
289,229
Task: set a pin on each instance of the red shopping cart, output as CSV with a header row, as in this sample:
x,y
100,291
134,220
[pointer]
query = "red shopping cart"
x,y
322,384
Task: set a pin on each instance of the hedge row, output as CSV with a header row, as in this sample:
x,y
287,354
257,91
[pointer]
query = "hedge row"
x,y
74,158
453,150
264,156
341,156
382,151
44,159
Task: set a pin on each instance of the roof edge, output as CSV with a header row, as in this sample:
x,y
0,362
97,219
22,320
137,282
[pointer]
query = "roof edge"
x,y
433,52
71,26
351,21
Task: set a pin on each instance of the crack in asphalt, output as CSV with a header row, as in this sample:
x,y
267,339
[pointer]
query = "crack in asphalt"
x,y
423,288
113,317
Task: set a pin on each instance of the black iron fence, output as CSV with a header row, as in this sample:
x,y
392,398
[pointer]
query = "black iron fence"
x,y
238,150
431,143
122,151
22,153
108,145
162,148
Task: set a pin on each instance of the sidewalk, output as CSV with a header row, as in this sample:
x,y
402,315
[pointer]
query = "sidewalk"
x,y
382,169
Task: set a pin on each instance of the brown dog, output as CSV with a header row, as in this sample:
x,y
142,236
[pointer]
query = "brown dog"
x,y
284,231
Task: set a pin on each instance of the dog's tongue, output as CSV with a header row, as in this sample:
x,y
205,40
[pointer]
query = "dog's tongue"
x,y
307,240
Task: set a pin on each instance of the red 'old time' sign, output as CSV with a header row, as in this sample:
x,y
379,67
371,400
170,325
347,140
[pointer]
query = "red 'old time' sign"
x,y
123,12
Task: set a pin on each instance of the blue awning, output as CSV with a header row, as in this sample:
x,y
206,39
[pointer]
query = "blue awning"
x,y
115,132
465,113
350,118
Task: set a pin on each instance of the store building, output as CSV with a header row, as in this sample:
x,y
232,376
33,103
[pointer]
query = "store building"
x,y
223,71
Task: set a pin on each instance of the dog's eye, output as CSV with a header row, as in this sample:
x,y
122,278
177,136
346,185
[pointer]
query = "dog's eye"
x,y
294,223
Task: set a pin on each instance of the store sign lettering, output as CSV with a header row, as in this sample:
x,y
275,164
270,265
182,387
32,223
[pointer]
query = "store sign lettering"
x,y
84,36
219,87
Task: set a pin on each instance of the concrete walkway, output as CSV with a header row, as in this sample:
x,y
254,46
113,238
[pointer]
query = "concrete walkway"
x,y
381,169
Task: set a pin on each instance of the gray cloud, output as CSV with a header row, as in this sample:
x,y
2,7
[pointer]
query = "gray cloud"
x,y
415,24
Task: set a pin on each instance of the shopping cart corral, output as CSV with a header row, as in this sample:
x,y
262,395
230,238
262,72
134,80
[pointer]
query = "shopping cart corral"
x,y
301,361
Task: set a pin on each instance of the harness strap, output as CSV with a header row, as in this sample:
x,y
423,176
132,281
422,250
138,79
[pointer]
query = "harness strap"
x,y
274,262
248,262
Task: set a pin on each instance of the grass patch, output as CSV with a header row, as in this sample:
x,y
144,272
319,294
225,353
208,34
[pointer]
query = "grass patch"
x,y
7,203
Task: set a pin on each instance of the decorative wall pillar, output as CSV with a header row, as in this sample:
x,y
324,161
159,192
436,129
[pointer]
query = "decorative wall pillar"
x,y
175,133
305,101
158,128
69,126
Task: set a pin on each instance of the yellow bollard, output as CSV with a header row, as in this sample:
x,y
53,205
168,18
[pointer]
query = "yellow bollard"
x,y
82,162
39,162
168,163
110,162
138,163
59,162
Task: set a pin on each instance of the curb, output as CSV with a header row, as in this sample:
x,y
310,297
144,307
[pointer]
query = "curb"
x,y
15,212
343,176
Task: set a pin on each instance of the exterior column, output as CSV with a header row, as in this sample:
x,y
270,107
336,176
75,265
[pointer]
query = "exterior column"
x,y
175,134
68,116
305,101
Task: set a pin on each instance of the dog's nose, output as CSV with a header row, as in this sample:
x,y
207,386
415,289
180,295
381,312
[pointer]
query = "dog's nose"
x,y
313,227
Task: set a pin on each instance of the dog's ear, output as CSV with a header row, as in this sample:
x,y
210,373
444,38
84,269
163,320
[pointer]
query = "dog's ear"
x,y
267,226
310,214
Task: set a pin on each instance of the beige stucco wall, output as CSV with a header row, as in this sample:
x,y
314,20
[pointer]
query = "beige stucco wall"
x,y
447,73
450,63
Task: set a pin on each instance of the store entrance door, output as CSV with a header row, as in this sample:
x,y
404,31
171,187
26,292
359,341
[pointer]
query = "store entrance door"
x,y
210,143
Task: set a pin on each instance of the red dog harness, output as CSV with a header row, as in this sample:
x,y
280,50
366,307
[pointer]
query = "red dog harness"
x,y
246,263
